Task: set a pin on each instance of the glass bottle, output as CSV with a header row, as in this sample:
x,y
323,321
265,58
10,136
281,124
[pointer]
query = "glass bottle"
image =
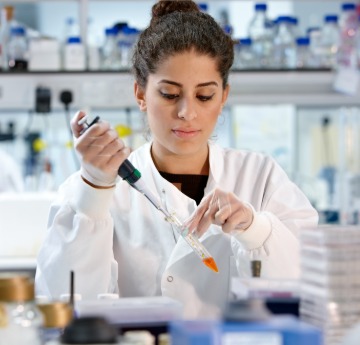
x,y
284,44
302,52
57,315
23,318
315,35
109,52
330,39
244,56
348,23
260,31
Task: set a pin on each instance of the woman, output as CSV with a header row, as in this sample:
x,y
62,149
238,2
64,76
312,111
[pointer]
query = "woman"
x,y
110,234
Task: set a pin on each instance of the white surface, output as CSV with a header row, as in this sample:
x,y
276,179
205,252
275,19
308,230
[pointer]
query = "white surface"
x,y
23,220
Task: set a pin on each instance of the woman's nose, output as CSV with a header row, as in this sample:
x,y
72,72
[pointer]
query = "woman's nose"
x,y
187,110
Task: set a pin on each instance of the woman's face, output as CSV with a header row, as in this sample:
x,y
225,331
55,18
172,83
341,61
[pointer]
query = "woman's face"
x,y
183,100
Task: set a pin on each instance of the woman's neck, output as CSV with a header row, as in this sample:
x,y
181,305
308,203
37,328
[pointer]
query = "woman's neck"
x,y
186,164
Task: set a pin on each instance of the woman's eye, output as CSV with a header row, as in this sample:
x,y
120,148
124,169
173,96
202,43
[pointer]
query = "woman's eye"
x,y
205,98
169,95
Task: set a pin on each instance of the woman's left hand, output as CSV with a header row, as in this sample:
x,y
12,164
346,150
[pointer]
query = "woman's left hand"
x,y
223,209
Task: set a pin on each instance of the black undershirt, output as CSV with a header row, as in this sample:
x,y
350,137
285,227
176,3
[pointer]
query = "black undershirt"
x,y
191,185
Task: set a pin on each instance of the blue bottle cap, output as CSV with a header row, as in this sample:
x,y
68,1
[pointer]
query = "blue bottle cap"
x,y
245,41
17,30
348,6
110,32
227,29
283,19
303,41
260,7
203,7
331,18
74,40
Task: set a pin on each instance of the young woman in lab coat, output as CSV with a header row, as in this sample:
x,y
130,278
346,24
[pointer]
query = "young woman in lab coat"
x,y
241,204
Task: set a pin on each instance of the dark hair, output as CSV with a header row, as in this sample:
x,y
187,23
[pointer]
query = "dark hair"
x,y
175,27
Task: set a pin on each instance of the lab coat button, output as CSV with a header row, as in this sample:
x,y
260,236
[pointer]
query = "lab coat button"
x,y
170,279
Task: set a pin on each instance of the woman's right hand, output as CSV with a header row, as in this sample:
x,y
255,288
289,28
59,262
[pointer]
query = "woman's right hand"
x,y
101,151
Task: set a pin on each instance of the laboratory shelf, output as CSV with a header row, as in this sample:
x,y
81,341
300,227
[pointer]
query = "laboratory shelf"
x,y
7,264
114,90
302,88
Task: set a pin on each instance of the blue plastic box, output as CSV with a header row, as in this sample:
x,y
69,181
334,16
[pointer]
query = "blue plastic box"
x,y
284,330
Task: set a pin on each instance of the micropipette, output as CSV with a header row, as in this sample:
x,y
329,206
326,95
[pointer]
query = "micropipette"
x,y
133,177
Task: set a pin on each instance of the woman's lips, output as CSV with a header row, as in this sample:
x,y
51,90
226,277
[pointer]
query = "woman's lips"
x,y
185,133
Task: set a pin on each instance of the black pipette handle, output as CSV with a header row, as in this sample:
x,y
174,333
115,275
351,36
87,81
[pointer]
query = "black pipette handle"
x,y
128,172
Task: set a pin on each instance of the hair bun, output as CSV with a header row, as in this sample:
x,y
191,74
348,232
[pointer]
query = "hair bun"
x,y
163,7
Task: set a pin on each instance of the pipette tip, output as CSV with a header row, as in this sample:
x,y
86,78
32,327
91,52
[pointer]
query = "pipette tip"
x,y
210,262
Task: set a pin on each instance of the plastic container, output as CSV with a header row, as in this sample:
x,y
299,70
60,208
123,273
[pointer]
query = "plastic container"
x,y
23,320
74,55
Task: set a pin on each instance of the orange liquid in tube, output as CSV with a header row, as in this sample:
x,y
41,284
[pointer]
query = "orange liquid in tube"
x,y
210,262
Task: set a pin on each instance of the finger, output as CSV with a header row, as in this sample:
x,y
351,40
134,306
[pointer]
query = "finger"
x,y
75,127
118,158
194,220
95,133
222,215
240,219
207,219
104,156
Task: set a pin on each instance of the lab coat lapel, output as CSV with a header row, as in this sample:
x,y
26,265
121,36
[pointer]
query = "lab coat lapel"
x,y
175,201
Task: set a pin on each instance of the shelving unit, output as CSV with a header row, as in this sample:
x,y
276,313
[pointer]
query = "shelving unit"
x,y
111,90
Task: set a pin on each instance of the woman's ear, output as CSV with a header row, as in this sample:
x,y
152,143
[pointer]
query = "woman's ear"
x,y
225,95
140,96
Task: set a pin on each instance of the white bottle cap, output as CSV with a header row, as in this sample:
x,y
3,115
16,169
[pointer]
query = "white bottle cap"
x,y
108,296
65,297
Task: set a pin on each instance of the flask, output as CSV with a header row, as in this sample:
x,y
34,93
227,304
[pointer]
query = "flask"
x,y
23,319
348,23
260,30
110,56
18,49
284,45
330,39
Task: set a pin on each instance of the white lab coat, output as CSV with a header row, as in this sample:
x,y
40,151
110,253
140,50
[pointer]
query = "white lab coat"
x,y
116,241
